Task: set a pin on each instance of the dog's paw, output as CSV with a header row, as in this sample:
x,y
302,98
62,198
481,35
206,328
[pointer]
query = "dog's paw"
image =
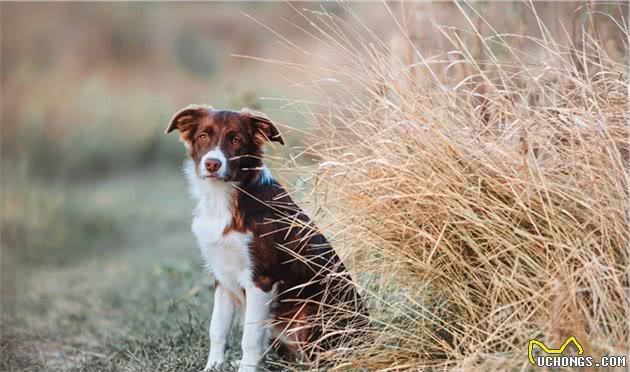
x,y
213,365
246,367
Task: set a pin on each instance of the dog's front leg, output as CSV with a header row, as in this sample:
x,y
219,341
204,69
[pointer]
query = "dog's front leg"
x,y
220,324
254,332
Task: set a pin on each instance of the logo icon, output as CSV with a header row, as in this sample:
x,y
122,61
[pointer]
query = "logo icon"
x,y
547,350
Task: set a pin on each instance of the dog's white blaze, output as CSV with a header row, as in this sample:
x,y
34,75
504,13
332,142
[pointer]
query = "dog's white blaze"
x,y
227,258
215,153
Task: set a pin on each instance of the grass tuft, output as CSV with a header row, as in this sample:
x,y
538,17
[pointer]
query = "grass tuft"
x,y
481,198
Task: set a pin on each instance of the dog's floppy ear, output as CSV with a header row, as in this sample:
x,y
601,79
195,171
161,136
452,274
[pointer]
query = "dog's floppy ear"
x,y
186,117
263,125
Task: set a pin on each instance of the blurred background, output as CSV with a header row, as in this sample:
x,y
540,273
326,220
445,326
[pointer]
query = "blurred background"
x,y
99,268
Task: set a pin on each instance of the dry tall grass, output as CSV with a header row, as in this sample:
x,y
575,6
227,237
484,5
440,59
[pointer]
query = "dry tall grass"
x,y
483,200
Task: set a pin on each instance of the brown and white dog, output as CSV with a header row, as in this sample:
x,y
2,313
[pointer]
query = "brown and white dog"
x,y
261,248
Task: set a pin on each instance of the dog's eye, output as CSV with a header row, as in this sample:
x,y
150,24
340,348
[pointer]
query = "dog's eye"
x,y
236,140
203,137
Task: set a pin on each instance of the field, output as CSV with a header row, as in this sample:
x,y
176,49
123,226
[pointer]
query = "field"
x,y
470,163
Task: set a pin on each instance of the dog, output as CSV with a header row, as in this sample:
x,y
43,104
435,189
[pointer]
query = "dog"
x,y
262,249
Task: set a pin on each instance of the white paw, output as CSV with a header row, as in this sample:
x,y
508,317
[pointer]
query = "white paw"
x,y
213,365
246,367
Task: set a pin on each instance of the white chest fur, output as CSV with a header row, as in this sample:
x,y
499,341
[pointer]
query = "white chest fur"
x,y
226,255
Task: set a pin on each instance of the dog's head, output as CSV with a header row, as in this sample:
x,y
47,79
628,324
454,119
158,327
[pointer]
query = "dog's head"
x,y
225,145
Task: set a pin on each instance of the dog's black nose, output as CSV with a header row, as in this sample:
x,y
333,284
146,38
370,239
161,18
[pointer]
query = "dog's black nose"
x,y
213,165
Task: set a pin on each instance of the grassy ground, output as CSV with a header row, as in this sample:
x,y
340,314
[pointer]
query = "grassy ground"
x,y
132,299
